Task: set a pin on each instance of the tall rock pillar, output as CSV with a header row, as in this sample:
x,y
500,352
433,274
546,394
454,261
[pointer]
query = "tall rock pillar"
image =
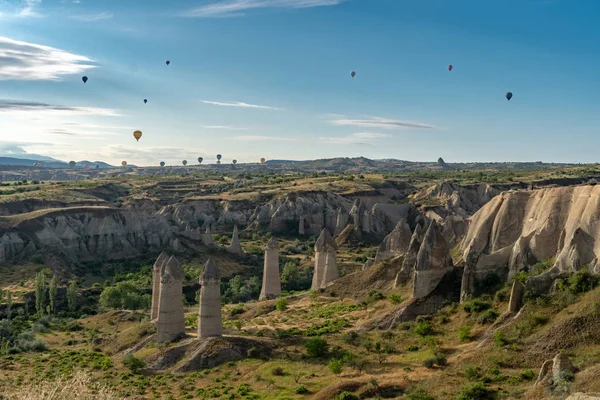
x,y
210,322
156,284
325,261
170,324
271,285
235,246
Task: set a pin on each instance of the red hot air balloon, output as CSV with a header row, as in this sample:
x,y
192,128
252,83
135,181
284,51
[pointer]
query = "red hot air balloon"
x,y
450,67
262,160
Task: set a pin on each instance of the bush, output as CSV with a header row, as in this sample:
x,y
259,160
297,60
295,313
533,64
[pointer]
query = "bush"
x,y
527,375
441,360
502,295
351,337
419,394
374,295
429,362
472,373
37,259
412,348
476,306
302,390
500,339
424,328
281,304
317,347
133,363
335,366
278,371
488,316
347,396
464,333
395,298
476,391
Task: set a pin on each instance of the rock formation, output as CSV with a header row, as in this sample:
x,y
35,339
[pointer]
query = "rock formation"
x,y
516,296
170,324
410,258
210,322
396,243
271,285
517,229
301,226
341,220
156,268
555,370
207,237
433,262
460,200
325,261
235,247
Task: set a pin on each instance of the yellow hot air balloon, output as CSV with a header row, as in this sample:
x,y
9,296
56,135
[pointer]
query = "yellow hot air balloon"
x,y
137,135
123,163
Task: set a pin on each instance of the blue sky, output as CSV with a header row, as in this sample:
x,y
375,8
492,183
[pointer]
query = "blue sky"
x,y
271,78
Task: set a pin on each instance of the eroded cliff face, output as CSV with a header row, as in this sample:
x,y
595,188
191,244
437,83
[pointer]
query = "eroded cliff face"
x,y
86,233
461,200
518,228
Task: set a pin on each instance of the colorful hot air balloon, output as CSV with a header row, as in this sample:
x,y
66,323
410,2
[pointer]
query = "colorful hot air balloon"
x,y
262,160
137,135
123,163
352,74
234,162
450,67
162,163
508,95
145,101
184,162
84,79
219,157
72,164
168,62
200,159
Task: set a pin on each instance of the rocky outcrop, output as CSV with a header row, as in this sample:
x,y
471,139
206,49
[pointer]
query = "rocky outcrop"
x,y
517,229
86,234
410,258
210,321
170,323
516,297
433,262
325,261
341,221
200,213
207,237
460,200
555,371
156,268
396,243
271,286
235,247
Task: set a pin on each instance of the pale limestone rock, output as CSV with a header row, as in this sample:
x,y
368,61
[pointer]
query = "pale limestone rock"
x,y
545,373
271,285
156,268
368,264
235,247
355,213
170,324
2,253
396,243
433,262
301,226
410,259
325,261
207,237
560,365
366,221
516,297
341,220
210,322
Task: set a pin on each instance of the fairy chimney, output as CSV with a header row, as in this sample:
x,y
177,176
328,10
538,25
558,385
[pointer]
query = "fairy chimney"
x,y
325,261
341,221
235,246
396,243
209,314
207,237
170,324
156,284
271,286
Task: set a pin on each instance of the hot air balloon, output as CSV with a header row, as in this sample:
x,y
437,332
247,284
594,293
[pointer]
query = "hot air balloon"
x,y
508,95
200,159
450,67
86,166
84,79
219,157
162,163
145,101
123,163
168,62
234,162
137,135
184,162
262,160
72,164
352,74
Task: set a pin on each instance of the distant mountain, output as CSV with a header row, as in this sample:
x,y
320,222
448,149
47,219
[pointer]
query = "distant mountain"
x,y
49,162
30,156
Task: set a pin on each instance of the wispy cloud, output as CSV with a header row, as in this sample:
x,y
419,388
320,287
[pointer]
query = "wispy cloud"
x,y
359,138
19,106
235,8
262,138
378,122
239,104
82,133
19,8
226,127
29,61
93,17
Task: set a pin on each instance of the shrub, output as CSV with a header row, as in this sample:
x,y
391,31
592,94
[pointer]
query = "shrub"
x,y
347,396
424,328
527,375
302,390
476,306
441,360
278,371
374,295
472,373
488,316
335,366
419,394
317,347
412,348
429,362
133,363
500,339
502,295
395,298
476,391
464,333
281,304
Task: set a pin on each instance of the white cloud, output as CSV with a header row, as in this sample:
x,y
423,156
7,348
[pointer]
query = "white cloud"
x,y
239,104
262,138
81,133
19,8
29,61
370,135
93,17
359,138
20,107
378,122
226,127
234,8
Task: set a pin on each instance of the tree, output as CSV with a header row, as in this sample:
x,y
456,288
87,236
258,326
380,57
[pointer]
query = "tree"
x,y
317,347
290,275
335,366
41,292
72,296
53,290
9,303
